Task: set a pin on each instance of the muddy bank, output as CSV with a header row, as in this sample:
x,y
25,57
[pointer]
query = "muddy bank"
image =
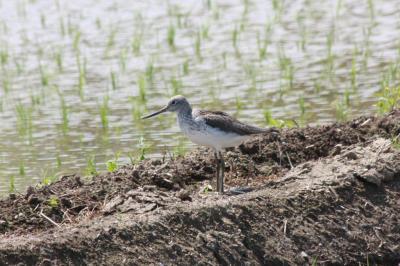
x,y
328,193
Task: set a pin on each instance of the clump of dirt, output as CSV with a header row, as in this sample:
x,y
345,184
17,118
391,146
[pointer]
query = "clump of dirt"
x,y
329,193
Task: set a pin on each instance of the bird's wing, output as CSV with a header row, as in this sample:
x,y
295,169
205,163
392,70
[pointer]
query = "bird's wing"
x,y
223,121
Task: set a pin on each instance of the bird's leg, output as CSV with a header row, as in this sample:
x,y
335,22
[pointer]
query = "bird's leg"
x,y
220,179
218,166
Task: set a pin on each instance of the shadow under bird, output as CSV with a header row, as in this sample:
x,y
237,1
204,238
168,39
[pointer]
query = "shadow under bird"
x,y
214,129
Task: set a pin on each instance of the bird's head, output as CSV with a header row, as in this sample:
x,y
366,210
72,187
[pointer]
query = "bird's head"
x,y
176,104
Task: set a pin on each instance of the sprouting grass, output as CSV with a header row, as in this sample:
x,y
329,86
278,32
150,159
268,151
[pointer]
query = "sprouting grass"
x,y
64,116
171,36
150,71
197,46
277,122
239,103
104,110
353,72
122,59
136,43
48,179
262,47
176,85
112,165
389,98
76,41
59,60
11,188
44,77
302,107
82,75
58,161
185,67
330,38
90,169
142,86
24,121
21,168
113,80
235,36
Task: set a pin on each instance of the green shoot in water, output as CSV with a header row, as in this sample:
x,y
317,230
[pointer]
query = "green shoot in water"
x,y
91,167
180,149
11,188
24,121
171,36
21,169
277,122
113,80
104,109
141,83
64,116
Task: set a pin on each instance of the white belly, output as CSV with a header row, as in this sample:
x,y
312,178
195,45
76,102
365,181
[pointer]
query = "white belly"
x,y
214,138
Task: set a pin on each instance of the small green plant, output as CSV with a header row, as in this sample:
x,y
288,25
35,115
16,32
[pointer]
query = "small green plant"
x,y
11,189
113,80
389,98
141,83
112,165
64,116
171,36
176,85
21,168
91,167
180,149
104,109
53,201
277,122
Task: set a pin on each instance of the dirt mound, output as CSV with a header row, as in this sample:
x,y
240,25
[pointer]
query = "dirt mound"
x,y
325,194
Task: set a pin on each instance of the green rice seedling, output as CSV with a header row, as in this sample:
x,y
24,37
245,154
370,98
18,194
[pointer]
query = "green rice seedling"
x,y
21,168
353,72
113,80
142,149
98,23
44,78
330,38
389,99
122,58
341,110
185,67
58,161
43,21
18,66
205,31
59,60
4,56
171,36
11,188
276,122
112,165
90,169
6,83
150,71
48,179
235,35
197,46
138,108
24,121
302,107
104,110
111,39
142,85
64,116
176,85
136,43
61,25
371,9
338,7
76,41
239,103
82,75
262,48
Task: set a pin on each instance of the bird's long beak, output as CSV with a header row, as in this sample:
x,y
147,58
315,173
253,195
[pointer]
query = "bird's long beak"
x,y
156,113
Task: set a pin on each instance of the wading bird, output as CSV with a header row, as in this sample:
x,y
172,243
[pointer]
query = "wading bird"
x,y
214,129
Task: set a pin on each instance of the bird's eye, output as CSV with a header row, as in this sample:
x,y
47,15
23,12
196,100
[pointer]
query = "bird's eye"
x,y
173,102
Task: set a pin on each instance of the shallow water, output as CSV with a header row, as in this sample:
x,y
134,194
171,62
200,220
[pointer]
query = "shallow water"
x,y
243,57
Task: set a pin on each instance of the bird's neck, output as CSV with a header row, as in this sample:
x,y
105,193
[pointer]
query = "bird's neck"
x,y
185,113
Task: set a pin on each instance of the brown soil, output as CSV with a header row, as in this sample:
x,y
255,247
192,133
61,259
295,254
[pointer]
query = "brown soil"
x,y
329,194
